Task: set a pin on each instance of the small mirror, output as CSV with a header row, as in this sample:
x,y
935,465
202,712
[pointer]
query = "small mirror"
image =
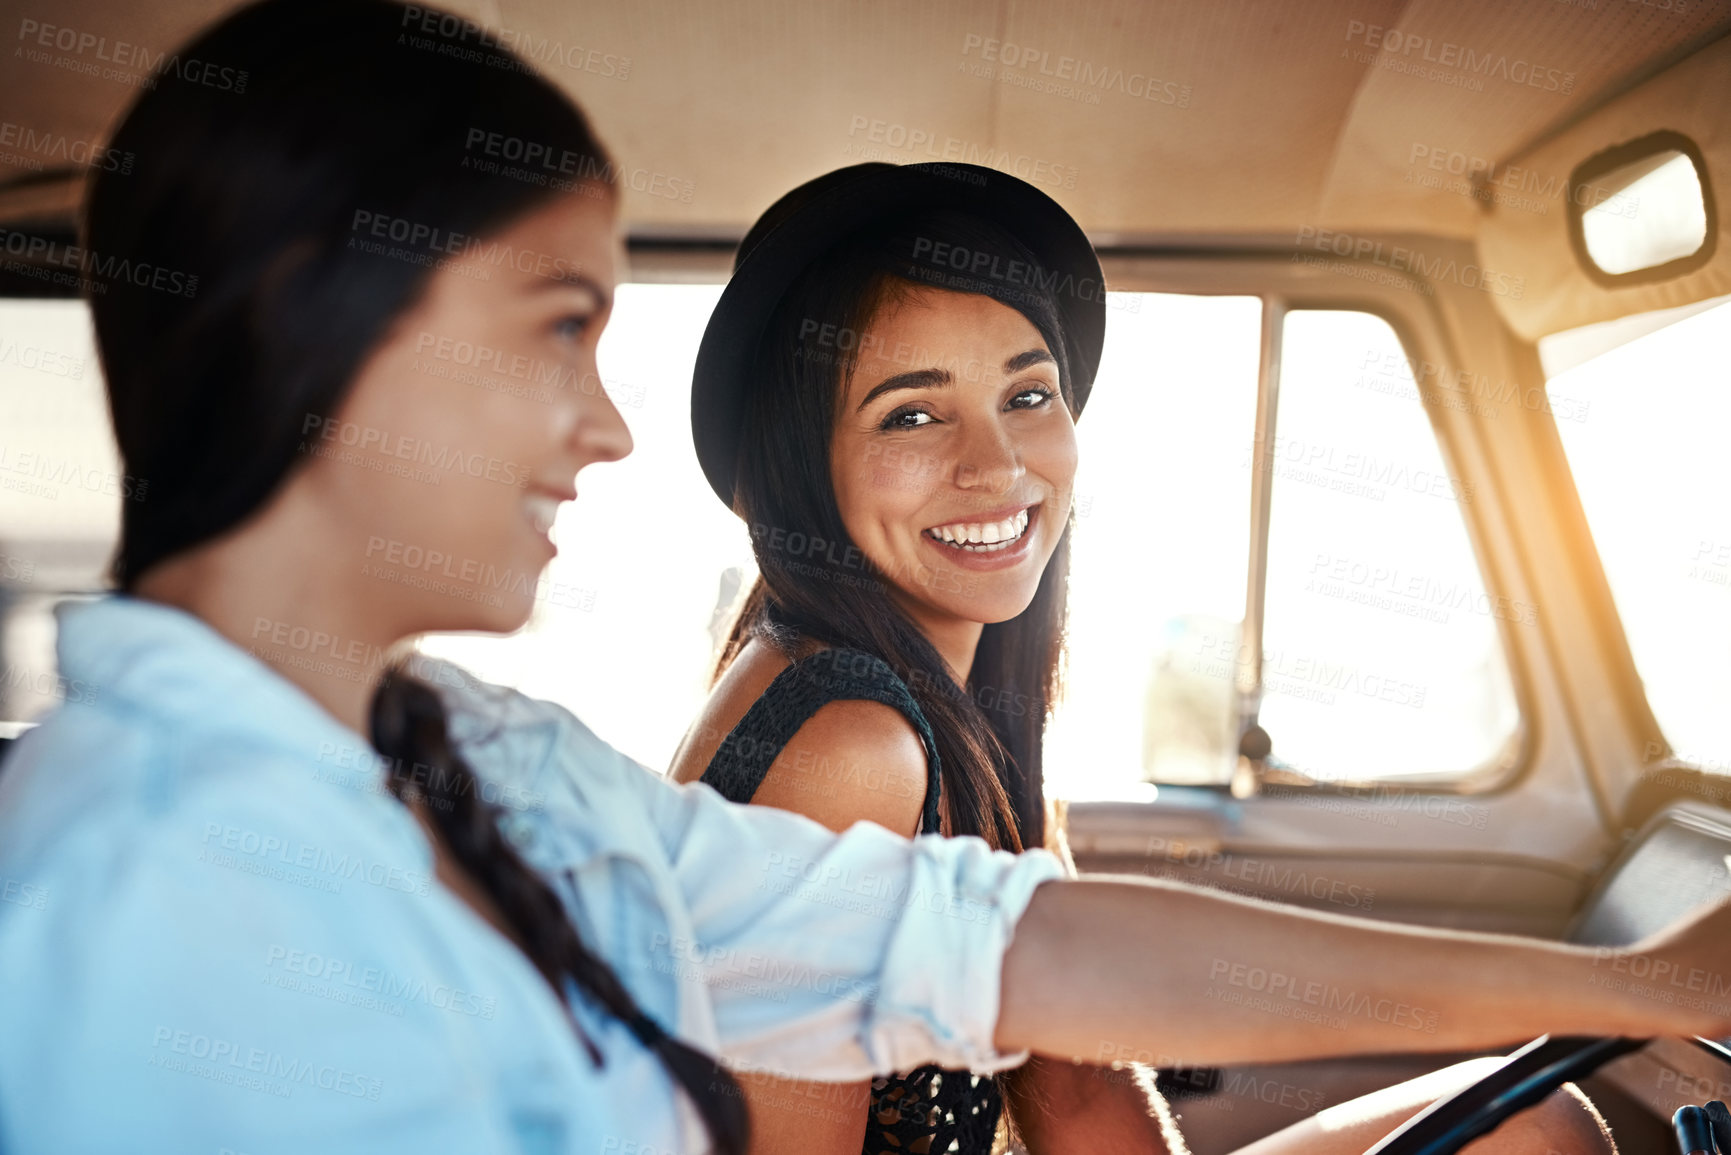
x,y
1190,711
1654,214
1643,211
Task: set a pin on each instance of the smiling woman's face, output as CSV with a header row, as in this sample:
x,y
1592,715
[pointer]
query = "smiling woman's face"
x,y
953,456
466,428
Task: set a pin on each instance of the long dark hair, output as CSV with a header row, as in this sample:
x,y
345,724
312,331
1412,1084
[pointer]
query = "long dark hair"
x,y
989,731
237,287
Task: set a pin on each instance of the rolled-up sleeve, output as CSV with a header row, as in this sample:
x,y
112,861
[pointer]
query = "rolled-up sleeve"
x,y
784,946
840,956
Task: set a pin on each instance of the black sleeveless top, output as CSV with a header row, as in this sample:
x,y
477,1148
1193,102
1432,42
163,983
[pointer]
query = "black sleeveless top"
x,y
929,1111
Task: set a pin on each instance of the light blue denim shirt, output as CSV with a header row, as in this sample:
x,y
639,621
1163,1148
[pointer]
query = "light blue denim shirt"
x,y
221,933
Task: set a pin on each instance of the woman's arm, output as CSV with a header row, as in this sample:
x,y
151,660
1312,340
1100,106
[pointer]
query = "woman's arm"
x,y
1104,970
1064,1108
793,1116
1057,1107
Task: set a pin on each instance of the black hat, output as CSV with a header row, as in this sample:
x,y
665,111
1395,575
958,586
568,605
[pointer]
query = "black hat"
x,y
802,226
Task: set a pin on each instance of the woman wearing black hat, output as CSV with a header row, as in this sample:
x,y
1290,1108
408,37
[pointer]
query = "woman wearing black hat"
x,y
886,394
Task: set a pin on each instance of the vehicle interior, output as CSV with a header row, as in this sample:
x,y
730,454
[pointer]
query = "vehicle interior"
x,y
1402,573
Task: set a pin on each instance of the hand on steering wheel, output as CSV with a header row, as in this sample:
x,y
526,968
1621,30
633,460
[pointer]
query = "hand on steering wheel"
x,y
1531,1073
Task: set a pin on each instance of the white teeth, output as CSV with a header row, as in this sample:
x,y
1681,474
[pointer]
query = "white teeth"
x,y
542,511
983,537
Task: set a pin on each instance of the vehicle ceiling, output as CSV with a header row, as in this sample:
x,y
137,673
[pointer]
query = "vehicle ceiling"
x,y
1281,115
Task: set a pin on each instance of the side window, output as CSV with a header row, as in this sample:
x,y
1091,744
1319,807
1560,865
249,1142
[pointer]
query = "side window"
x,y
1159,552
61,492
1381,652
1382,658
1650,407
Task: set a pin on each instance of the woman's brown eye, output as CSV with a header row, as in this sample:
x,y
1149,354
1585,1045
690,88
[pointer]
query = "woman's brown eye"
x,y
906,419
1038,397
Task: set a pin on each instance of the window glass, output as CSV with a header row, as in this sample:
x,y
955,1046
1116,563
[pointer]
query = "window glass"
x,y
624,634
1648,458
59,470
1382,657
1161,544
61,489
1159,558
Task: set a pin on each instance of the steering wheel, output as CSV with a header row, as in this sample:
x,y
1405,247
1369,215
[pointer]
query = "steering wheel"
x,y
1530,1074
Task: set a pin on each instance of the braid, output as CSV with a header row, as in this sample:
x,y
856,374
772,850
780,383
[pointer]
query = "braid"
x,y
408,726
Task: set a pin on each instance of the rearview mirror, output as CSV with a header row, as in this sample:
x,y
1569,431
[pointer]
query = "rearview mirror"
x,y
1642,211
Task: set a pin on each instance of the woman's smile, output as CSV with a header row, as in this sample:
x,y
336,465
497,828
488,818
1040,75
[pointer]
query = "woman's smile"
x,y
540,507
995,540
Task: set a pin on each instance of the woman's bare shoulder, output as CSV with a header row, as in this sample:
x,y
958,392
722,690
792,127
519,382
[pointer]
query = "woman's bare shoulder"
x,y
851,761
739,686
